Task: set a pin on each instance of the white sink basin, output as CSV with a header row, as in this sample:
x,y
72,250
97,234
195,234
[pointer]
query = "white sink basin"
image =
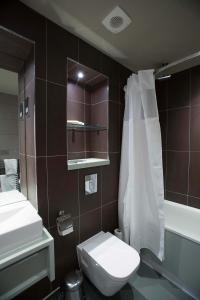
x,y
19,224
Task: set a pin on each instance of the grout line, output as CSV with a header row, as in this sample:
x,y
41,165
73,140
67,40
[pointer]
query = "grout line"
x,y
47,176
79,209
189,137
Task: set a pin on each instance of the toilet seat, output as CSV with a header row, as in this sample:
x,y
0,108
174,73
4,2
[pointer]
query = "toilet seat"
x,y
114,256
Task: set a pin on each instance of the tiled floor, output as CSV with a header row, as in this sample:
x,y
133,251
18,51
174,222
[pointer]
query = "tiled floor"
x,y
146,285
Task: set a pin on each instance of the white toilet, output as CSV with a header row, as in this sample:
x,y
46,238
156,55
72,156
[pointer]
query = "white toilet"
x,y
107,261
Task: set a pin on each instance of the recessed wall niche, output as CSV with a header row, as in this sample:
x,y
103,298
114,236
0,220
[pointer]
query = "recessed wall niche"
x,y
87,116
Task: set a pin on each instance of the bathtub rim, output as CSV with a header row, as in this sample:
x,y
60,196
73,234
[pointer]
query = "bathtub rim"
x,y
179,232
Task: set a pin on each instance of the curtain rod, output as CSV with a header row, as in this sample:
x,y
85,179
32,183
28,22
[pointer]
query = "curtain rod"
x,y
179,65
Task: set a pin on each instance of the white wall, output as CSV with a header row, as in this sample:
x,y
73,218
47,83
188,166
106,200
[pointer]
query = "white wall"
x,y
9,141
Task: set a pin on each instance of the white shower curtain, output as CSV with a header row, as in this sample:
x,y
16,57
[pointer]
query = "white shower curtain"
x,y
141,193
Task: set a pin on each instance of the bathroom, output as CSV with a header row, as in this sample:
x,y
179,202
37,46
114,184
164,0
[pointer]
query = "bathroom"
x,y
41,43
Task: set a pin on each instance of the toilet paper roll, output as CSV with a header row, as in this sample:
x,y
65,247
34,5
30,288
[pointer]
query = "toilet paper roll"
x,y
118,233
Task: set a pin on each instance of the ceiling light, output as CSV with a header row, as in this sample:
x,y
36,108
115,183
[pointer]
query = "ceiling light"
x,y
80,75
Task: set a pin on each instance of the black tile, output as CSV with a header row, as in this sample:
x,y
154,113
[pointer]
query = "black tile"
x,y
92,201
40,117
178,129
90,224
43,207
110,179
194,186
194,202
56,120
163,127
178,198
110,217
177,171
114,127
195,86
89,56
161,94
178,90
65,251
60,45
19,18
62,188
195,129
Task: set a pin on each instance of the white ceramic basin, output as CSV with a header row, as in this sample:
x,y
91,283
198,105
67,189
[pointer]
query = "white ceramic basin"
x,y
19,224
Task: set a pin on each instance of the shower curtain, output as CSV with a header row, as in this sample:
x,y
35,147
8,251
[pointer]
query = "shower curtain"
x,y
141,192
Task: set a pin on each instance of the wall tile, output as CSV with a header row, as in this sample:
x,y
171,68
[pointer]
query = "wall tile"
x,y
178,198
75,92
178,130
110,179
177,171
43,206
60,45
92,201
75,141
62,188
65,251
195,129
30,119
178,90
99,114
17,17
110,217
163,127
194,186
89,56
56,120
195,86
161,93
40,117
75,111
114,127
194,202
90,224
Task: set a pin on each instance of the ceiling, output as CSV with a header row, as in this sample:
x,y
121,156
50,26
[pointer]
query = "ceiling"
x,y
161,31
8,82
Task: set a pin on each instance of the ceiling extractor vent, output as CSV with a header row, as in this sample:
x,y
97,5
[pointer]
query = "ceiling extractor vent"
x,y
117,20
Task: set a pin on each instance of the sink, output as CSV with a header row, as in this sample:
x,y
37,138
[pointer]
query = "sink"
x,y
19,224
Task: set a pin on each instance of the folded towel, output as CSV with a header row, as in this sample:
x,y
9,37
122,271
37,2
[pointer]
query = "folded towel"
x,y
10,166
8,183
75,122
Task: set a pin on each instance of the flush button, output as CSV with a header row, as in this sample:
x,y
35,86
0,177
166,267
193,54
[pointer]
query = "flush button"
x,y
90,184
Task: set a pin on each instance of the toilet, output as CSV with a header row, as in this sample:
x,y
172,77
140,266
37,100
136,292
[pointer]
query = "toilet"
x,y
107,261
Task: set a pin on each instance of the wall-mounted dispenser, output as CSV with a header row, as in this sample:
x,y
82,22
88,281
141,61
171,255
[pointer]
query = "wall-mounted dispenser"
x,y
90,184
64,223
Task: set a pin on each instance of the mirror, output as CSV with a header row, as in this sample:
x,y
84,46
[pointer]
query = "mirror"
x,y
9,132
87,116
17,98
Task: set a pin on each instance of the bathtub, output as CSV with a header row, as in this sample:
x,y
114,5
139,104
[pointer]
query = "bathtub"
x,y
181,264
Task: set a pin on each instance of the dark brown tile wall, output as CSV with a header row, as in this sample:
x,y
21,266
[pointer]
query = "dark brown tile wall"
x,y
57,188
179,112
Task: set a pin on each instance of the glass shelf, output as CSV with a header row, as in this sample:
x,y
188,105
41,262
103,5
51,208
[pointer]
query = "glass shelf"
x,y
87,127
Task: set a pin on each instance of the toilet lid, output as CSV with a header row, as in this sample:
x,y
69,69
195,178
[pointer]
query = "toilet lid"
x,y
117,258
